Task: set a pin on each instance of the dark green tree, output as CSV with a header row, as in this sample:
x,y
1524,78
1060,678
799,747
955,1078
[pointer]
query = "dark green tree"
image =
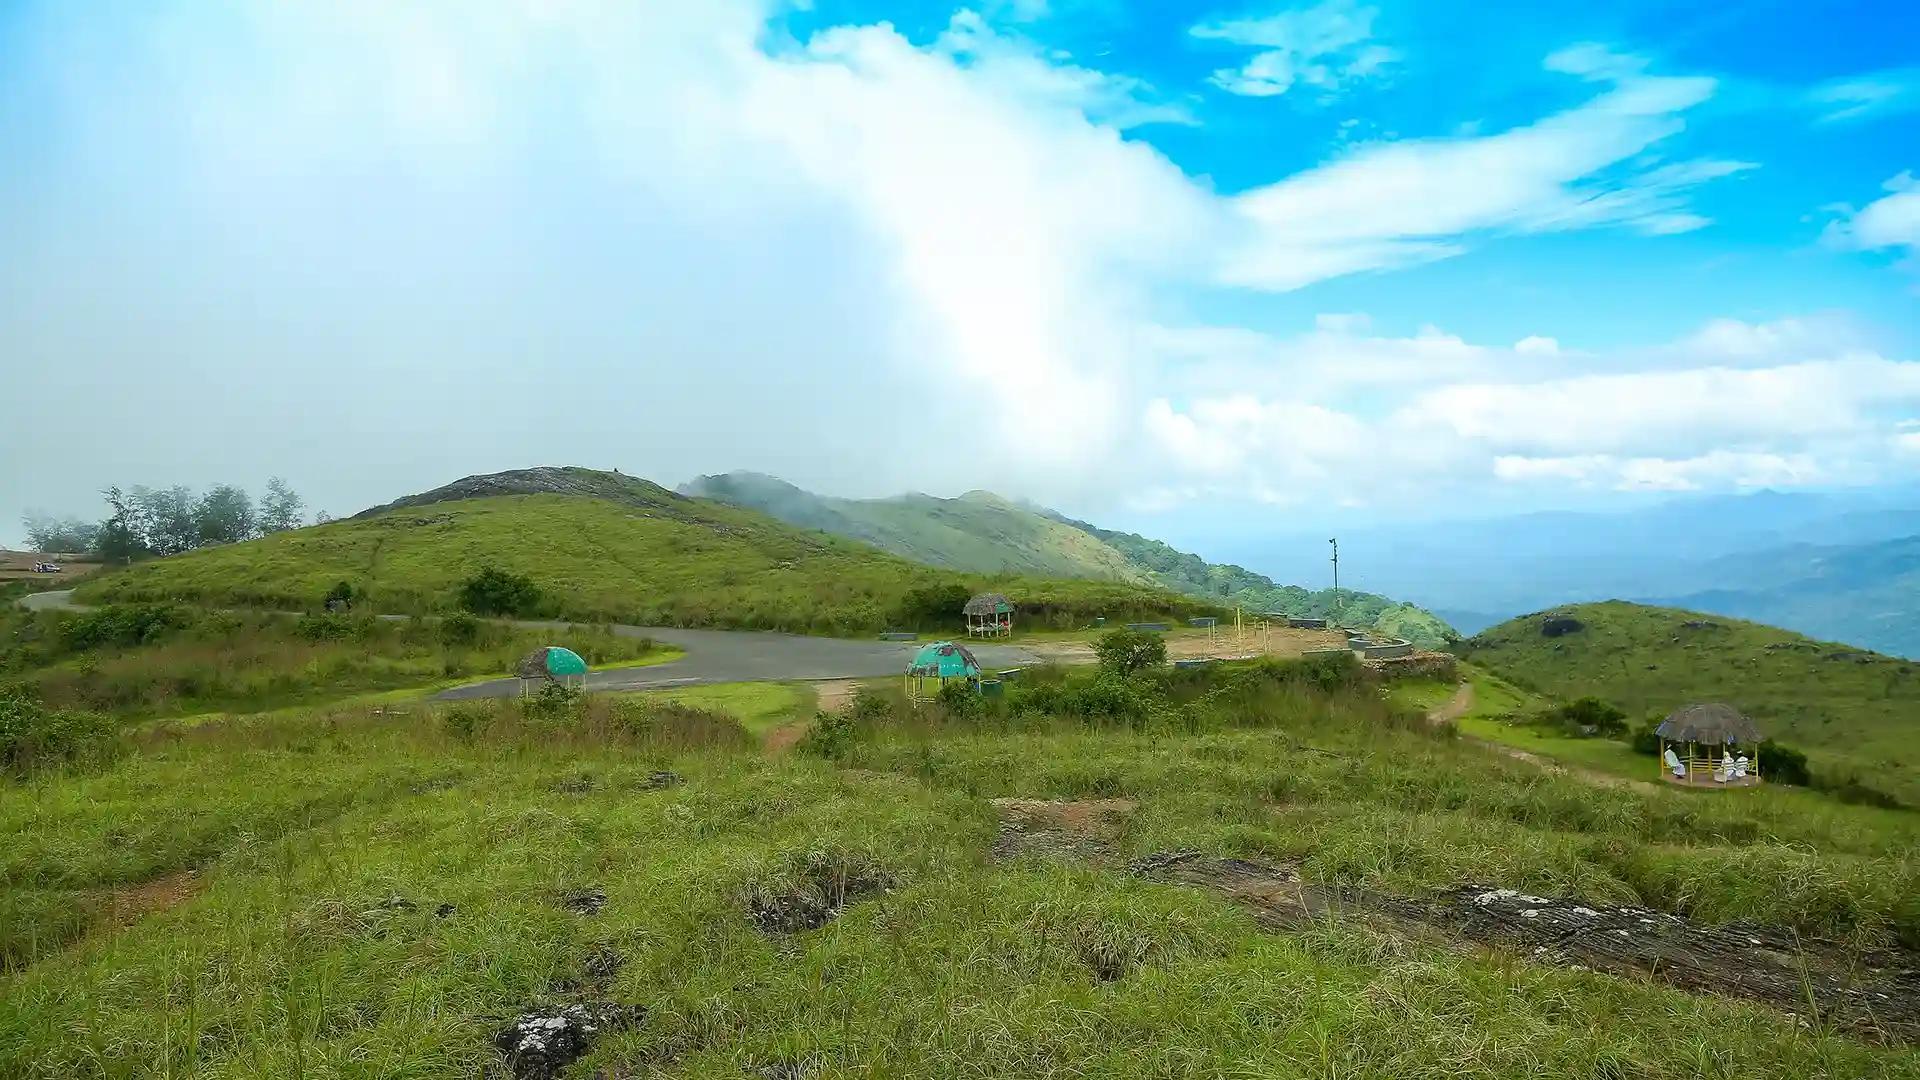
x,y
494,591
1124,651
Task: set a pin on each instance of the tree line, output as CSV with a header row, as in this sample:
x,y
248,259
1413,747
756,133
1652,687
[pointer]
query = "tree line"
x,y
143,522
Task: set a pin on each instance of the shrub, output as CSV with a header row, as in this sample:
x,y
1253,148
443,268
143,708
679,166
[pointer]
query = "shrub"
x,y
1590,716
961,699
1123,652
494,591
123,625
1783,764
459,629
33,737
932,605
341,594
553,702
465,722
1646,737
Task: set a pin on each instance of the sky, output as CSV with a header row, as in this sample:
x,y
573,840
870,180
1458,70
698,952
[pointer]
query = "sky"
x,y
1219,265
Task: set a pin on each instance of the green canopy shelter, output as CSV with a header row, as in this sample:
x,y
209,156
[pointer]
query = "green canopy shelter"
x,y
936,664
551,663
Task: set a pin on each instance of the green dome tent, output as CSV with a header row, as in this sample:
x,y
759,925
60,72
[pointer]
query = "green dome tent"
x,y
935,664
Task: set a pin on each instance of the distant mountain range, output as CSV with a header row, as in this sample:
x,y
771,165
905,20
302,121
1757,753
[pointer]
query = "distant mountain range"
x,y
983,532
1843,567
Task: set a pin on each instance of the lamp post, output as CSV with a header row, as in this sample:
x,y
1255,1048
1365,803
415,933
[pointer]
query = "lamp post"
x,y
1336,580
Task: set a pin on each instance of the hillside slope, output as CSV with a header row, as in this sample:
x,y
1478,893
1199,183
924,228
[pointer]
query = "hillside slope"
x,y
1846,707
985,532
644,556
1868,594
978,531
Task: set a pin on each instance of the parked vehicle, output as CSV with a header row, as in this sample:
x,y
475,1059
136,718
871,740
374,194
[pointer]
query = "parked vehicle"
x,y
46,568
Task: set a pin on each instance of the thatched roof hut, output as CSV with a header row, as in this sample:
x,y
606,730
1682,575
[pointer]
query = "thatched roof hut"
x,y
1711,723
989,603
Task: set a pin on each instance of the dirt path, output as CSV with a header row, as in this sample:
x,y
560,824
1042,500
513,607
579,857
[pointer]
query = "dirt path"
x,y
1872,995
1454,707
1461,703
829,696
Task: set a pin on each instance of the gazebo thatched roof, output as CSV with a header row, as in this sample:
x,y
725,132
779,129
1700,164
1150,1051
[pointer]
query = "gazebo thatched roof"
x,y
1709,723
989,603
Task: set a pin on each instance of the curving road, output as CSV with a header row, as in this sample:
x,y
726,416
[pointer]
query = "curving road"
x,y
713,656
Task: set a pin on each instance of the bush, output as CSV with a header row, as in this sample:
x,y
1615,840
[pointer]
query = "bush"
x,y
961,699
123,625
931,605
1783,765
1123,652
1646,737
494,591
459,629
33,737
1590,716
553,702
341,594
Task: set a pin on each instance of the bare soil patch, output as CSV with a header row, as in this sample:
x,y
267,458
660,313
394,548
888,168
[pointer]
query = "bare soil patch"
x,y
1079,829
129,904
1874,995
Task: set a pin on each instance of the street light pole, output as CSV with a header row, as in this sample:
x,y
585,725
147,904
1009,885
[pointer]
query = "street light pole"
x,y
1336,580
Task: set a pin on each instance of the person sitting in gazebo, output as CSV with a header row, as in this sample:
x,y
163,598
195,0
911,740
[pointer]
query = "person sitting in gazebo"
x,y
1710,732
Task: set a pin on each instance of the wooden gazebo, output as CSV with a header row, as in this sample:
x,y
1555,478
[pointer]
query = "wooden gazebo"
x,y
989,615
1721,747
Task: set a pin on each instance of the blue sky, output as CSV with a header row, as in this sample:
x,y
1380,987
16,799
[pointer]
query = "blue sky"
x,y
1214,262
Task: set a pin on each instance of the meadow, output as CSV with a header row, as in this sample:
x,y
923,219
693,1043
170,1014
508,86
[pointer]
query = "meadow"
x,y
342,893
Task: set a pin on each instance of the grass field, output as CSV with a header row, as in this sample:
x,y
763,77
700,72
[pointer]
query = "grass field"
x,y
760,707
1853,712
678,561
335,893
139,661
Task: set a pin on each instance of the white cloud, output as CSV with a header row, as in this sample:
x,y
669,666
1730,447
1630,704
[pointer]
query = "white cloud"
x,y
1391,204
732,249
1416,417
1022,71
1858,97
1891,222
1324,46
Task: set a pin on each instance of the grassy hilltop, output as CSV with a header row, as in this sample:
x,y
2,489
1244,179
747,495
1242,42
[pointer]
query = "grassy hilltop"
x,y
608,547
1850,709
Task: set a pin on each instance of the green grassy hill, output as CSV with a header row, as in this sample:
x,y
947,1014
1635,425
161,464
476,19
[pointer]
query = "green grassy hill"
x,y
1849,709
982,531
978,531
608,547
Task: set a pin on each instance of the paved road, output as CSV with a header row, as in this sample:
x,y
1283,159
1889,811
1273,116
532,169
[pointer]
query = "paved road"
x,y
714,656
